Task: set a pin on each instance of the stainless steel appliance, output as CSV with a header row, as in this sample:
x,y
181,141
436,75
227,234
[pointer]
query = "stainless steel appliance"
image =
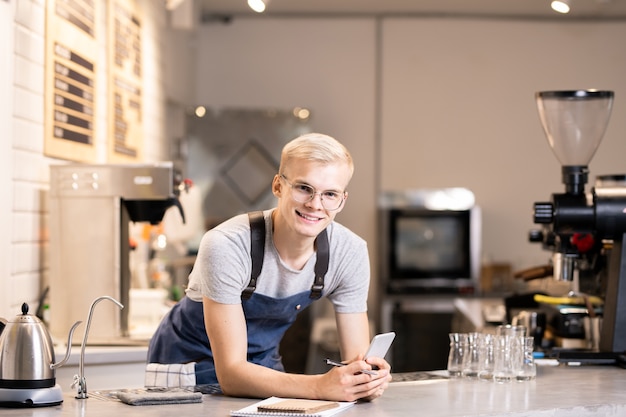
x,y
430,241
27,362
91,209
585,232
429,255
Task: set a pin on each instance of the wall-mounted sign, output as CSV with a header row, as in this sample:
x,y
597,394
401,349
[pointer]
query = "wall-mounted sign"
x,y
125,88
70,79
71,74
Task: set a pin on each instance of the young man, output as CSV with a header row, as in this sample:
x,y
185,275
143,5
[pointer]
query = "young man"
x,y
237,344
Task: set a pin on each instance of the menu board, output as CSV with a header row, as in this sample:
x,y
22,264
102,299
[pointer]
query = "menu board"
x,y
125,87
70,79
72,74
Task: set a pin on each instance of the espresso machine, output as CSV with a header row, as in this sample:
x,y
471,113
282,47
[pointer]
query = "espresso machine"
x,y
585,231
92,208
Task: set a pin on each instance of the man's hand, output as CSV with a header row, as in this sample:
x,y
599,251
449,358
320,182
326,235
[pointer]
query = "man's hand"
x,y
349,383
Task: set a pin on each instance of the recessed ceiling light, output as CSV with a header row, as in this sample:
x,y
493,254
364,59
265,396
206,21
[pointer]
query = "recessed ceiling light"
x,y
257,5
561,6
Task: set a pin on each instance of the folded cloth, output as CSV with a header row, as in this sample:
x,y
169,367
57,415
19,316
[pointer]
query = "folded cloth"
x,y
158,397
170,375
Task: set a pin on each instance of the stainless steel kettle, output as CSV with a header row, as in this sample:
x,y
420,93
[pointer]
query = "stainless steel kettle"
x,y
27,354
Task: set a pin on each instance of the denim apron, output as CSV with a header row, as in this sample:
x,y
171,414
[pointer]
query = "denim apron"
x,y
181,337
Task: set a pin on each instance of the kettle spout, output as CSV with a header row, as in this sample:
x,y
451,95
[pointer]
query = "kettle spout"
x,y
69,347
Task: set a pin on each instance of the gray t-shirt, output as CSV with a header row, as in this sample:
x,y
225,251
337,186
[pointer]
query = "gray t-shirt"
x,y
222,268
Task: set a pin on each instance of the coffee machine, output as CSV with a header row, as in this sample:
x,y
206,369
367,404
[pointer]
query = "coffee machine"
x,y
585,232
91,211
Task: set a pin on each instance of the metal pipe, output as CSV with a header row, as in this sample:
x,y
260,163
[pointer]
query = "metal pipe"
x,y
79,380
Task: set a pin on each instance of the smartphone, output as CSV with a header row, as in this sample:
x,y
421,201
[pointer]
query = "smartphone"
x,y
380,345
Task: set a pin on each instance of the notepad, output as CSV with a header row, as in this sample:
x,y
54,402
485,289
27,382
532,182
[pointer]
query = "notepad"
x,y
276,406
298,406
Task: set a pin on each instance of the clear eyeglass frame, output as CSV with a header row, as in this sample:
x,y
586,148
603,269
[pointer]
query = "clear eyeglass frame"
x,y
303,193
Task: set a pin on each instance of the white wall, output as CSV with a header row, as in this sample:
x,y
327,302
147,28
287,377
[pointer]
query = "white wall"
x,y
24,169
459,110
6,111
28,167
326,65
412,99
427,103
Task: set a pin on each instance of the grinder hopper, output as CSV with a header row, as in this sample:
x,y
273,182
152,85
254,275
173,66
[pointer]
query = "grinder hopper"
x,y
574,123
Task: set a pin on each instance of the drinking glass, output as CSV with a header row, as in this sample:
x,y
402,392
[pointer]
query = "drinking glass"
x,y
458,343
486,357
506,357
471,356
527,367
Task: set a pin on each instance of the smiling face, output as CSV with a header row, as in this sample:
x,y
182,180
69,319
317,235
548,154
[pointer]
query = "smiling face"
x,y
307,220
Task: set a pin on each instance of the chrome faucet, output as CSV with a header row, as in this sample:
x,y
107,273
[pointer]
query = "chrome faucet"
x,y
79,380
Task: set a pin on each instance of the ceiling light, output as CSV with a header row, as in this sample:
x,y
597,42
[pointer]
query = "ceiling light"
x,y
172,4
200,111
257,5
560,6
301,113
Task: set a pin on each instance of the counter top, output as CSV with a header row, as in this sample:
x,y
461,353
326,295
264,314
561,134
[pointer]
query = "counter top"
x,y
557,391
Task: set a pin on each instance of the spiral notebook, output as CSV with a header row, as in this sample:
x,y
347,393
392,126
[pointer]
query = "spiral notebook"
x,y
276,406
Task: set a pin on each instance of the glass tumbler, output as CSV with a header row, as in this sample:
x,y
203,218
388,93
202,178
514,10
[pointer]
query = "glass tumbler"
x,y
505,358
486,357
458,342
471,356
527,367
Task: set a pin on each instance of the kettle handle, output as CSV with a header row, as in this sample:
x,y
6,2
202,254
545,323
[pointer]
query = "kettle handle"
x,y
3,323
69,348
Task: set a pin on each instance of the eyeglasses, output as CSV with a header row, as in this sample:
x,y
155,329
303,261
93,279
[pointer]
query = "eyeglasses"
x,y
303,193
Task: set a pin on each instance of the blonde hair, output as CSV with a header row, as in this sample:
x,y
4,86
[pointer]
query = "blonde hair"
x,y
315,147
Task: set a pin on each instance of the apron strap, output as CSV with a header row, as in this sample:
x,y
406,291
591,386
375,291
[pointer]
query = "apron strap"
x,y
257,251
321,265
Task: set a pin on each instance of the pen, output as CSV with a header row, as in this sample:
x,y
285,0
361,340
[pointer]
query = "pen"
x,y
334,363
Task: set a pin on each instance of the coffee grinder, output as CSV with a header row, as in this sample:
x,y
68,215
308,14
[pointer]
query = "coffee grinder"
x,y
585,233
